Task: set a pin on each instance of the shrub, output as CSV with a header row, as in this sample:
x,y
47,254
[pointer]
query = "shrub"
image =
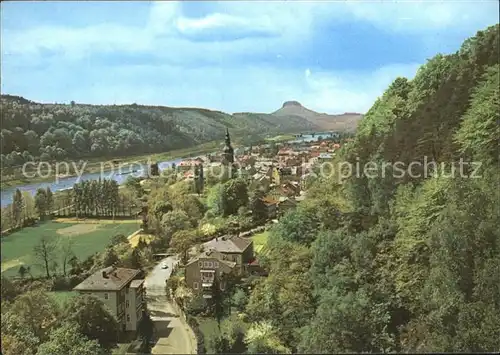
x,y
196,306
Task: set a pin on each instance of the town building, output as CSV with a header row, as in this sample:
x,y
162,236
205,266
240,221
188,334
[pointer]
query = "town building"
x,y
237,249
122,292
201,271
220,256
271,207
186,165
325,157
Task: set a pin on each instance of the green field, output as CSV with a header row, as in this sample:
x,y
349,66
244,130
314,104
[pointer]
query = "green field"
x,y
260,241
88,237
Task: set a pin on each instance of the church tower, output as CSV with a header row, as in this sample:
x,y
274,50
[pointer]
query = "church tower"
x,y
228,151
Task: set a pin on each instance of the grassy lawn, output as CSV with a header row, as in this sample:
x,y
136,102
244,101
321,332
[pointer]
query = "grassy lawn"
x,y
260,241
88,237
61,297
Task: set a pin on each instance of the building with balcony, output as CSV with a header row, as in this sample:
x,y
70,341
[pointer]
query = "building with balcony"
x,y
235,249
201,272
220,257
122,292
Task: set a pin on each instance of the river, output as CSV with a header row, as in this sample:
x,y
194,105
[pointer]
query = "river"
x,y
120,177
68,182
306,138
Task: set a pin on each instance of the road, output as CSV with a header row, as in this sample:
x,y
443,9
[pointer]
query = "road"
x,y
174,336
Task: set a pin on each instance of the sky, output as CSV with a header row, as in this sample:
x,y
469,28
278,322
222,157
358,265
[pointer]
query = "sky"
x,y
233,56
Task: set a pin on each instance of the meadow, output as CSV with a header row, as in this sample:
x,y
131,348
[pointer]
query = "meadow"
x,y
87,236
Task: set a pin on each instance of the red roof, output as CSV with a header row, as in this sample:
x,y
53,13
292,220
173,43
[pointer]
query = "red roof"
x,y
269,201
186,163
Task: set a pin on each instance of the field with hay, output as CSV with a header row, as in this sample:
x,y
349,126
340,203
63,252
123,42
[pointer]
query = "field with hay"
x,y
87,237
134,240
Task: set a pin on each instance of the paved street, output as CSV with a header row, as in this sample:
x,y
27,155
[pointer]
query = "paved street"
x,y
174,335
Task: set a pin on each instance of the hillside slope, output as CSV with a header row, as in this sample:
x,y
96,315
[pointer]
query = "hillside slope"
x,y
57,131
344,122
400,257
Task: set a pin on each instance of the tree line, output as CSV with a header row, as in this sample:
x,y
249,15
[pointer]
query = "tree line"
x,y
25,209
49,132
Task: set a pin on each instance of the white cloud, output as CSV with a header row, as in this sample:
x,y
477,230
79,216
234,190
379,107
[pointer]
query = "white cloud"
x,y
168,35
338,92
292,22
425,16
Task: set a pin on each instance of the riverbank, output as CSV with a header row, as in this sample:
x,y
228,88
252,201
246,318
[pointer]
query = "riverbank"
x,y
281,138
95,165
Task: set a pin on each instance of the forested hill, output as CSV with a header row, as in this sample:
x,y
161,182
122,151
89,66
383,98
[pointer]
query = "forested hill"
x,y
400,263
57,131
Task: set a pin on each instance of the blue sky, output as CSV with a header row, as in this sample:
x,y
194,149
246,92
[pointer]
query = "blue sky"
x,y
232,56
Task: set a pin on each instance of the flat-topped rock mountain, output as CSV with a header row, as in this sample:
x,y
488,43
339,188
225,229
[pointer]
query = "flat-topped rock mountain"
x,y
75,130
347,121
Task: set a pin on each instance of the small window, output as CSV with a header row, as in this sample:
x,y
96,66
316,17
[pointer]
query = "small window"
x,y
105,296
200,263
210,264
128,317
195,285
216,264
127,304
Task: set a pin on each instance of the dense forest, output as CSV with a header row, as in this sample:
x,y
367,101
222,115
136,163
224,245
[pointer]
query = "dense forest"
x,y
400,264
58,131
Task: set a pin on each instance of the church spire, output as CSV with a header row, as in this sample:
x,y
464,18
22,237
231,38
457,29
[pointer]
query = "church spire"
x,y
228,139
228,152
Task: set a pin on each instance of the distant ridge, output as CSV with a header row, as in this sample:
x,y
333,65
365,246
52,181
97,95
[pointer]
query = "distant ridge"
x,y
347,121
85,130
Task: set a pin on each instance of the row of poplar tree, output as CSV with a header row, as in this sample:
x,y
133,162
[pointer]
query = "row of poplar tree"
x,y
96,198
